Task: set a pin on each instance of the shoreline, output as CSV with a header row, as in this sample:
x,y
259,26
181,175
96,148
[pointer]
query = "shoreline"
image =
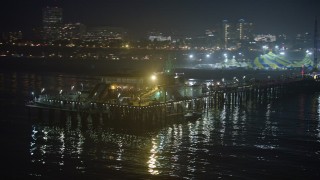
x,y
137,68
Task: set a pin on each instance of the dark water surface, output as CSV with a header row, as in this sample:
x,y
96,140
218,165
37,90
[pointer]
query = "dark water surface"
x,y
279,140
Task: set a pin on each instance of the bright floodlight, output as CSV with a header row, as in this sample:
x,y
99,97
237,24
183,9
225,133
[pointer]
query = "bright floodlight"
x,y
153,77
225,55
208,55
277,47
282,53
191,56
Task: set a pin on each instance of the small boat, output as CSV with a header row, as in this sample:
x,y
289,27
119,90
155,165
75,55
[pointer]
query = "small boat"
x,y
192,116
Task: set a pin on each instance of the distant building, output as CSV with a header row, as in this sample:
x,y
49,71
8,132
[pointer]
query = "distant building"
x,y
12,36
72,31
156,36
209,33
104,34
244,30
282,38
159,38
303,40
227,32
233,33
304,37
52,23
265,38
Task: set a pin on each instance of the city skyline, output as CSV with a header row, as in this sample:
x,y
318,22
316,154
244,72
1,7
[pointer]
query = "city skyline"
x,y
185,17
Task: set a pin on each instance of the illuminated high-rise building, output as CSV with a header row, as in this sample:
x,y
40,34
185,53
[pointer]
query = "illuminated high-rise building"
x,y
52,22
229,33
226,32
234,33
244,30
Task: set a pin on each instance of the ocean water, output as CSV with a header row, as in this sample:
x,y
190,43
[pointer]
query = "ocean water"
x,y
275,140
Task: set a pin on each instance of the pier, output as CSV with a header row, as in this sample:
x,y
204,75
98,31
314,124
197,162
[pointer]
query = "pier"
x,y
152,114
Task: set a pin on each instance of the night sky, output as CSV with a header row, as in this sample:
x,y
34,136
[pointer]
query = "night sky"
x,y
184,17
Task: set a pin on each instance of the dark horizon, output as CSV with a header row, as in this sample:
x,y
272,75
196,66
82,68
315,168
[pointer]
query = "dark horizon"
x,y
181,17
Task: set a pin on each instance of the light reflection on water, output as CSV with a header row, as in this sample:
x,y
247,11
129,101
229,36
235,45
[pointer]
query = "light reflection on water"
x,y
241,141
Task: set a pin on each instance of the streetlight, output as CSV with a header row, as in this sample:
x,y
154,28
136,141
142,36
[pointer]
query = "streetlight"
x,y
235,80
153,77
244,79
265,48
308,53
32,93
225,57
139,98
